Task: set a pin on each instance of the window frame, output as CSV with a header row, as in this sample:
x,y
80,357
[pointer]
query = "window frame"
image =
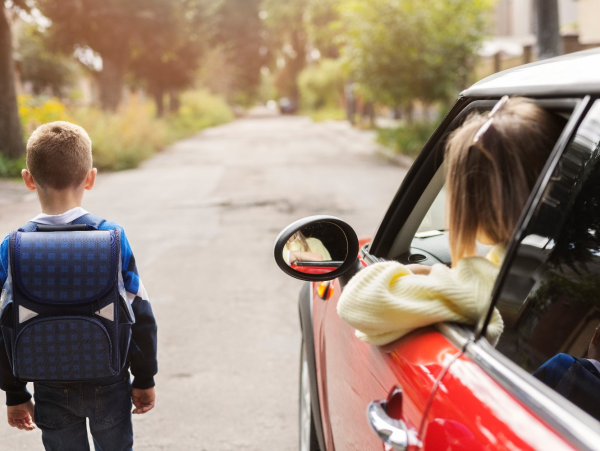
x,y
571,422
527,216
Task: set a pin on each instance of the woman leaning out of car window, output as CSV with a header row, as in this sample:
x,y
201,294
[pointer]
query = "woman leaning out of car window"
x,y
492,163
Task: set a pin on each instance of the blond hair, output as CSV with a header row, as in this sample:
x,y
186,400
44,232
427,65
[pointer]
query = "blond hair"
x,y
59,155
489,181
299,237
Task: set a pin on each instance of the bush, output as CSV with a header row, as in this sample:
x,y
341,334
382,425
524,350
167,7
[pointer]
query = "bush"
x,y
407,139
198,110
11,168
125,138
35,111
322,86
328,114
122,140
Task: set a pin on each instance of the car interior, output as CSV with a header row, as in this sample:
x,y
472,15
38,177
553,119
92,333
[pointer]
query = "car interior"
x,y
423,237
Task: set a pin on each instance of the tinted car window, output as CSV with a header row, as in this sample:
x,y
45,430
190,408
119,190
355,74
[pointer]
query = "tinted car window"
x,y
550,299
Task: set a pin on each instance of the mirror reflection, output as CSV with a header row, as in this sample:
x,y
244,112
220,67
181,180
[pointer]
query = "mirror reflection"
x,y
318,248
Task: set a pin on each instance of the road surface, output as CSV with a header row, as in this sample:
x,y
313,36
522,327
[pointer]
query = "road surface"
x,y
202,217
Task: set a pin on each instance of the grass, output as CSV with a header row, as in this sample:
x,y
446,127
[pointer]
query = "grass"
x,y
327,114
407,139
11,169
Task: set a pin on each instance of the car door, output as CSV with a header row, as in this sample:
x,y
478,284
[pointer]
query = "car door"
x,y
354,373
536,389
425,363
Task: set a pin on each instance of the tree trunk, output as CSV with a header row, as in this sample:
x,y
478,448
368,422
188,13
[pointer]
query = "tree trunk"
x,y
174,101
11,136
159,100
350,101
298,42
549,43
369,113
111,81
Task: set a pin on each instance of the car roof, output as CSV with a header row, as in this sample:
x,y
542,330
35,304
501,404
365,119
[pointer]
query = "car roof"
x,y
575,74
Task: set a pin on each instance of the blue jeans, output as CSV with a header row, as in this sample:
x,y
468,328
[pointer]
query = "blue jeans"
x,y
61,410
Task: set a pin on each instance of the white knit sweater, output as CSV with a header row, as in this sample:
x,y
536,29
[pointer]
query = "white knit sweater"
x,y
385,301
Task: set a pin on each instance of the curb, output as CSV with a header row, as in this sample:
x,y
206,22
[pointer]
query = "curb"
x,y
394,158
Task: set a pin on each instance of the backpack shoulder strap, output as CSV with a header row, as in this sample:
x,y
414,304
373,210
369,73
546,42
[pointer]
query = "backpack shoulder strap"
x,y
90,219
29,227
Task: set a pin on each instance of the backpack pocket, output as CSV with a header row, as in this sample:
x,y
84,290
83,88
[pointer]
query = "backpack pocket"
x,y
63,348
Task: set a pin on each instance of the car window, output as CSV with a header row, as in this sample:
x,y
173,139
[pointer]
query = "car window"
x,y
435,218
550,299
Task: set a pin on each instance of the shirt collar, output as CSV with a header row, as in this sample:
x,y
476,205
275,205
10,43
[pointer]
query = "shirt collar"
x,y
595,363
64,218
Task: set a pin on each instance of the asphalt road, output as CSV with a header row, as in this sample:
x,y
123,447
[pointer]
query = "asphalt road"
x,y
202,217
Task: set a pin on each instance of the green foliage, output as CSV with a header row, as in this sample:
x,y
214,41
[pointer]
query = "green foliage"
x,y
167,60
407,139
10,168
161,41
266,90
239,37
322,85
402,50
328,114
322,20
287,39
35,111
45,69
124,138
198,111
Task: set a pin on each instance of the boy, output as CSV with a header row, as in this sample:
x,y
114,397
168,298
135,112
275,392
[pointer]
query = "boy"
x,y
59,169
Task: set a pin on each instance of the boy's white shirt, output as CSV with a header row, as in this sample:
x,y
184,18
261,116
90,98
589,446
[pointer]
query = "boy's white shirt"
x,y
63,218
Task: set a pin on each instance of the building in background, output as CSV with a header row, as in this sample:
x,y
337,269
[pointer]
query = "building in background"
x,y
589,30
513,35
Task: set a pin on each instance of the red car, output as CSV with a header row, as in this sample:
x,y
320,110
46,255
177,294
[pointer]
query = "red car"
x,y
446,387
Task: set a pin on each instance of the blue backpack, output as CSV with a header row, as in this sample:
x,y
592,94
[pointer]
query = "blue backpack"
x,y
64,311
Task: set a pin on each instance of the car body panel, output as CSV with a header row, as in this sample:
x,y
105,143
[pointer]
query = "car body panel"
x,y
352,373
473,412
573,74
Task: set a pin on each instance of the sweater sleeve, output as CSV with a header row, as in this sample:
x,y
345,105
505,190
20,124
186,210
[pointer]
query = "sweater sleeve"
x,y
386,301
16,389
144,364
316,246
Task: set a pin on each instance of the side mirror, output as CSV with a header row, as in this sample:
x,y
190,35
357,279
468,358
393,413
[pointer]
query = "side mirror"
x,y
318,248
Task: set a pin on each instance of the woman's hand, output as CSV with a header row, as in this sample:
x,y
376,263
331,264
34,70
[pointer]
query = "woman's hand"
x,y
297,256
419,269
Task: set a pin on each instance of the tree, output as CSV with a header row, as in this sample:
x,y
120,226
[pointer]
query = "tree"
x,y
112,28
322,20
43,68
167,61
549,43
11,135
239,37
288,41
403,50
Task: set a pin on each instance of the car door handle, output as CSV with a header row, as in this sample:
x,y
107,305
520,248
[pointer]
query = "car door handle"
x,y
392,432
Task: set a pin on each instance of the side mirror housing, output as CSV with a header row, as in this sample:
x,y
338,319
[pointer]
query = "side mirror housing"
x,y
318,248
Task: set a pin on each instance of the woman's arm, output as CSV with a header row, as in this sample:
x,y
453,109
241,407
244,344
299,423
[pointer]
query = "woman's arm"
x,y
388,300
419,269
298,256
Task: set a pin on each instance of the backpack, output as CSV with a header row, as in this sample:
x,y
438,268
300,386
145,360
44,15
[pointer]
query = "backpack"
x,y
64,311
